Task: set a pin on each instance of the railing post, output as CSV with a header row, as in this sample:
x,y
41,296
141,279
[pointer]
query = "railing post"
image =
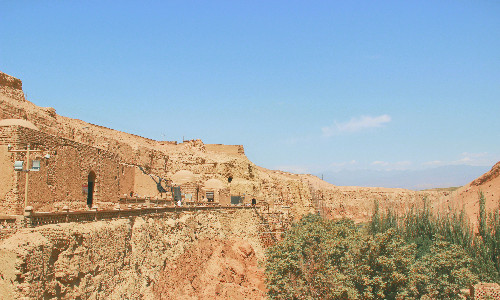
x,y
28,216
94,208
118,208
65,210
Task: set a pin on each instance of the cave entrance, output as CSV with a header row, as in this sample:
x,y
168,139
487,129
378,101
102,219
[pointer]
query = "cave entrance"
x,y
254,201
91,185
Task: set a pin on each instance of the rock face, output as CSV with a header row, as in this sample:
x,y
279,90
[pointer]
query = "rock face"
x,y
123,259
213,269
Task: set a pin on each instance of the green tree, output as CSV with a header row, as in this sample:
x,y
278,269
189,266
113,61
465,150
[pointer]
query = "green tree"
x,y
381,266
442,273
306,263
323,259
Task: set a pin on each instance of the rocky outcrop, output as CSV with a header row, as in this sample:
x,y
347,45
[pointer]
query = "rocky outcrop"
x,y
120,259
213,269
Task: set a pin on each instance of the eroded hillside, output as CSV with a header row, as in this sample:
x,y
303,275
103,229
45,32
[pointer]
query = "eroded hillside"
x,y
164,158
130,258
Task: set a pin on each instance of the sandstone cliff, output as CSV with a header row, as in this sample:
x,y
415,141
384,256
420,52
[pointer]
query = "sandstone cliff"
x,y
124,259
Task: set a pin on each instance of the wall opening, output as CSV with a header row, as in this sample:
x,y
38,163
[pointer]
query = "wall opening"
x,y
91,185
254,201
210,196
235,200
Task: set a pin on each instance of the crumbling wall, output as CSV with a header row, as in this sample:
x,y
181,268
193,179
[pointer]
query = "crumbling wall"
x,y
227,149
120,259
62,176
11,86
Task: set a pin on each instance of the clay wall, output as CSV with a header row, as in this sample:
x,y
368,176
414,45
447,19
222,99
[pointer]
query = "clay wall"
x,y
227,149
221,196
144,186
193,189
11,112
126,179
11,86
62,176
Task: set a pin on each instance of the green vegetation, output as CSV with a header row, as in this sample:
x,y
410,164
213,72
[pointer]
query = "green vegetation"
x,y
419,255
423,228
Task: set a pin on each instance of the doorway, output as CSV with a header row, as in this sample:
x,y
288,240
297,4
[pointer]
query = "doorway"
x,y
91,184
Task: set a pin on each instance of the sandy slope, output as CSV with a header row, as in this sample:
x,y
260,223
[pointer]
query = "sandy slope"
x,y
467,197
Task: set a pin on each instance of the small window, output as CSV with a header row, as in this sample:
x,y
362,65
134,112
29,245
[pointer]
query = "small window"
x,y
18,165
36,165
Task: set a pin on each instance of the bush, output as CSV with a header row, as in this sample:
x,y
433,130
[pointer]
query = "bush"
x,y
323,259
423,228
307,263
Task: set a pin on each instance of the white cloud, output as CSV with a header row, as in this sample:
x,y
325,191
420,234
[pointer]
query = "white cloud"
x,y
467,158
380,163
355,125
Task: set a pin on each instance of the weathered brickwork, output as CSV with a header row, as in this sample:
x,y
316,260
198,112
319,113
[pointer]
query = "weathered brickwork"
x,y
227,149
63,175
11,86
119,154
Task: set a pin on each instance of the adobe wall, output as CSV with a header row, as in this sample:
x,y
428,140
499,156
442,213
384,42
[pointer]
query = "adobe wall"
x,y
61,177
11,86
227,149
144,186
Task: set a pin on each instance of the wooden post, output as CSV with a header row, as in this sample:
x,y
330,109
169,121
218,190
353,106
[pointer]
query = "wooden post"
x,y
27,151
28,216
27,176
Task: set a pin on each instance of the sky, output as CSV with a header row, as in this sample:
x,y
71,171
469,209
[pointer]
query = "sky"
x,y
319,87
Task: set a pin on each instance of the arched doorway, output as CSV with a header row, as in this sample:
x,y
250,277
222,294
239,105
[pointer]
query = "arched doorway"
x,y
254,201
91,184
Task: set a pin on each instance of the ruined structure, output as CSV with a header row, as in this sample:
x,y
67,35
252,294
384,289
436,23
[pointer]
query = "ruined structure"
x,y
84,165
91,165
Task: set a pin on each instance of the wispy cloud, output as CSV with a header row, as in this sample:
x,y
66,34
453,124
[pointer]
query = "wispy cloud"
x,y
355,125
389,166
466,158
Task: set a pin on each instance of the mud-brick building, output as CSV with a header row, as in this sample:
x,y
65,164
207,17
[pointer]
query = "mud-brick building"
x,y
70,173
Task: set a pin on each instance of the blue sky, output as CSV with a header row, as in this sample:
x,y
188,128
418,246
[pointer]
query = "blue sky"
x,y
305,86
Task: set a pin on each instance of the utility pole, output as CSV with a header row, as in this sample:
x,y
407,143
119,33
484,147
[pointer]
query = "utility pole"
x,y
28,152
